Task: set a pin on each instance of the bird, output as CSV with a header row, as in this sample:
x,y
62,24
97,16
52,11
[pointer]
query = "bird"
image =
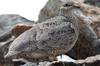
x,y
50,38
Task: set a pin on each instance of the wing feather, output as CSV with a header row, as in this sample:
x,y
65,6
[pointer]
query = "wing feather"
x,y
25,42
55,34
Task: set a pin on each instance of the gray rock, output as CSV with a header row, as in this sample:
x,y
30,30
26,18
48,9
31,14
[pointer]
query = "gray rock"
x,y
9,20
5,36
90,61
51,9
93,2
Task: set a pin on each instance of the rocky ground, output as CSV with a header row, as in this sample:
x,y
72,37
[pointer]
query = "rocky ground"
x,y
85,52
90,61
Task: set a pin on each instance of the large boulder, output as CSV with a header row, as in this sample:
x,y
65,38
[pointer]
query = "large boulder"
x,y
7,21
51,9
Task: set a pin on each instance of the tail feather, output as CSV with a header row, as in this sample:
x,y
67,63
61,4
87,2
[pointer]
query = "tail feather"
x,y
10,53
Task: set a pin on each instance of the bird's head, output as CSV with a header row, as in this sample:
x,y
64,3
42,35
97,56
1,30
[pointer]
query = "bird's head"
x,y
69,5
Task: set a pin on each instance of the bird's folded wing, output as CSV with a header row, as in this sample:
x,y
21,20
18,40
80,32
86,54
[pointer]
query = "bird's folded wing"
x,y
51,34
25,42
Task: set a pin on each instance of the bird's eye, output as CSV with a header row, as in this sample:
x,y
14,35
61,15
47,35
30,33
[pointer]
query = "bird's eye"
x,y
66,5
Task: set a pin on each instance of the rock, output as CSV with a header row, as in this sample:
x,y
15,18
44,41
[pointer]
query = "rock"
x,y
8,21
92,12
96,27
19,29
51,9
96,63
93,2
87,44
90,61
5,36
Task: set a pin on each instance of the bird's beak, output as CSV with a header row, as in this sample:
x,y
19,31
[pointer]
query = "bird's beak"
x,y
76,6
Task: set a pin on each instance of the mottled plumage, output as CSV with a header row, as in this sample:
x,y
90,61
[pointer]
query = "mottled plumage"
x,y
48,39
